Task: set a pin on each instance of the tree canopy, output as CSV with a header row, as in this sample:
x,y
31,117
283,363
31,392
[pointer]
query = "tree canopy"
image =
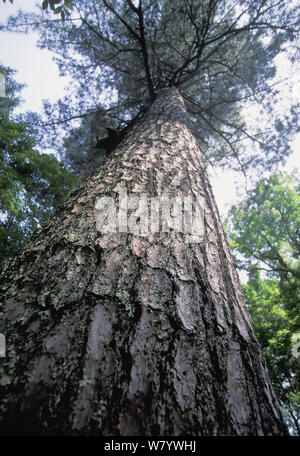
x,y
220,54
266,227
31,184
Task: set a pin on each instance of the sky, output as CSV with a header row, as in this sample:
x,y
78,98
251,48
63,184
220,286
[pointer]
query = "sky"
x,y
36,69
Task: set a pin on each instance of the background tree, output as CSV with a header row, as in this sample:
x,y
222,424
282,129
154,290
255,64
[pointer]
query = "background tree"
x,y
32,184
265,232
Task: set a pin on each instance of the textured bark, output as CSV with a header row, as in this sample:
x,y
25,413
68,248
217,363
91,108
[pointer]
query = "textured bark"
x,y
133,335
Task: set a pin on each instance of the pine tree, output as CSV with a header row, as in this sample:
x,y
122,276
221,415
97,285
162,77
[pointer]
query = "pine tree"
x,y
138,333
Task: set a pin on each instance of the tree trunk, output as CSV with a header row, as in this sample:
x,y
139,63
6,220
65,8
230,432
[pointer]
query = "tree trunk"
x,y
121,334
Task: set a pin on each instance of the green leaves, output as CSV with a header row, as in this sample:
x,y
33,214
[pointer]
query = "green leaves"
x,y
275,326
266,227
64,9
32,185
264,233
